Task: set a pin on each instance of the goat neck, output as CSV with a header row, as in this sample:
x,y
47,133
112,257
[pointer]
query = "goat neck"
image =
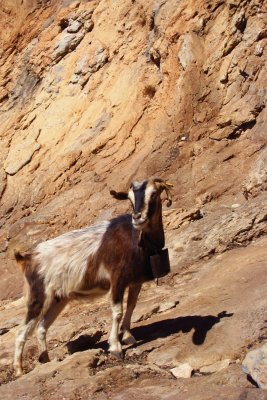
x,y
152,237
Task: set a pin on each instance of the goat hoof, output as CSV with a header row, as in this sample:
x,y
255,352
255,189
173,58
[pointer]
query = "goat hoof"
x,y
44,358
129,339
117,354
18,372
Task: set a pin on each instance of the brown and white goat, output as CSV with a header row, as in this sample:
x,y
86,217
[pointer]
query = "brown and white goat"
x,y
109,256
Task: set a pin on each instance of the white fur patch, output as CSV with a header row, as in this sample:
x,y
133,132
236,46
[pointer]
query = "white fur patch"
x,y
148,192
102,274
137,185
131,197
114,342
116,309
64,259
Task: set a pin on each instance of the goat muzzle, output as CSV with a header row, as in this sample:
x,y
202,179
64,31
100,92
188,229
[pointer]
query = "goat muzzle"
x,y
138,221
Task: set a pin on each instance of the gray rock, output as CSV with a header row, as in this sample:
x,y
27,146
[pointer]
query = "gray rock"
x,y
74,26
255,365
89,64
67,43
99,60
258,50
186,55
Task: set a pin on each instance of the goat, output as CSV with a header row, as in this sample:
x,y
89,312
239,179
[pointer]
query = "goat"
x,y
109,256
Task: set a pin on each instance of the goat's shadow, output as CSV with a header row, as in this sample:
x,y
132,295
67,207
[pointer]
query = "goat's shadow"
x,y
159,329
164,328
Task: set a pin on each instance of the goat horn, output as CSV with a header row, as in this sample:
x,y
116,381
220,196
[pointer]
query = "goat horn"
x,y
165,183
166,186
169,199
169,184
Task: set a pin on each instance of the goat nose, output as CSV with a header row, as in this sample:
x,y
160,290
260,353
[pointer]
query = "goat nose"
x,y
136,216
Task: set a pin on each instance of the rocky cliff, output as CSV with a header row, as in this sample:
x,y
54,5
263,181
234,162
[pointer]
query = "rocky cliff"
x,y
96,93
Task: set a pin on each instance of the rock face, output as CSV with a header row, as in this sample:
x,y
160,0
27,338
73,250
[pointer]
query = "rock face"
x,y
163,89
94,94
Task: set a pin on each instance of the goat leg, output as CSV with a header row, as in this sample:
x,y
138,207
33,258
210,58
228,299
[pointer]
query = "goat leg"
x,y
114,343
133,294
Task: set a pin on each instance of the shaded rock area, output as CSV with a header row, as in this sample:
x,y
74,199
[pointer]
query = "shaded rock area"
x,y
94,94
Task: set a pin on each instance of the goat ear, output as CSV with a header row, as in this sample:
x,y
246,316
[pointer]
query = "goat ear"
x,y
119,195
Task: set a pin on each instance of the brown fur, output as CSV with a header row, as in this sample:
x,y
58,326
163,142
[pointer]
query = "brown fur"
x,y
22,260
126,262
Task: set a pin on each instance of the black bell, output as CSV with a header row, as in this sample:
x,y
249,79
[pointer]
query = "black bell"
x,y
160,263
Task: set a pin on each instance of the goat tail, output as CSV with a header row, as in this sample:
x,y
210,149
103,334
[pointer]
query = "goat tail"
x,y
22,260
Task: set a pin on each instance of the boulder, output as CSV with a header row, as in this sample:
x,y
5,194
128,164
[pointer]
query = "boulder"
x,y
255,365
182,371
